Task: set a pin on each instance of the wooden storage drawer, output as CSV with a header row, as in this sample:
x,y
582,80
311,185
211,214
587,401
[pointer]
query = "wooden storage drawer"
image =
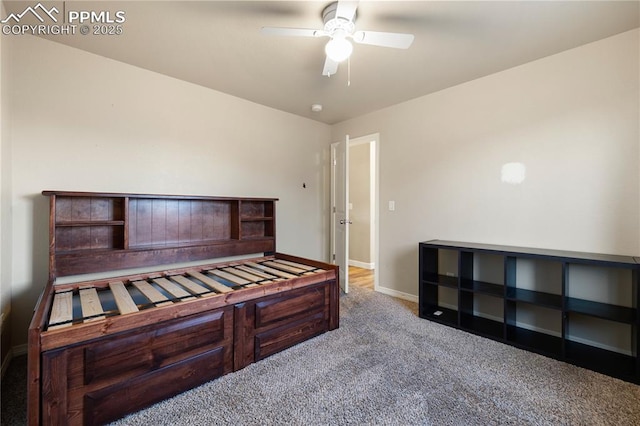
x,y
139,352
115,401
274,323
285,307
274,340
110,377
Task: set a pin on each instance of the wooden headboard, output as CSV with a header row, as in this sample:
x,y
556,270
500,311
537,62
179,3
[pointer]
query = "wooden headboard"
x,y
98,232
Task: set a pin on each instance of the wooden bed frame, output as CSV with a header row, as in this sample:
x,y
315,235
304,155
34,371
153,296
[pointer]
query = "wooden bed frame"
x,y
100,348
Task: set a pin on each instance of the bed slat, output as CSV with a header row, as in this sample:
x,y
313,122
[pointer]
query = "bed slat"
x,y
174,289
91,306
288,268
295,265
62,310
258,273
151,293
125,303
210,282
193,287
276,272
272,271
247,276
230,277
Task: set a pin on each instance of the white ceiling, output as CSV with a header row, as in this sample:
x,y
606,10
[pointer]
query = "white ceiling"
x,y
218,44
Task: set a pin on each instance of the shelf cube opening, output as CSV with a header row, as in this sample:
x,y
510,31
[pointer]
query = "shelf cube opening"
x,y
89,238
601,333
448,262
535,318
69,209
488,268
601,284
539,275
257,229
440,266
448,298
478,307
256,209
439,303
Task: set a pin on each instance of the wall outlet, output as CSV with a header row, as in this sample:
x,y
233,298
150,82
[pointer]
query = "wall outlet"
x,y
392,206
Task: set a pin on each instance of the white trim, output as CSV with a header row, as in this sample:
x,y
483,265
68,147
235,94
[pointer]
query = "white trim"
x,y
332,206
576,339
526,326
13,352
344,275
19,350
599,345
5,363
373,199
398,294
359,264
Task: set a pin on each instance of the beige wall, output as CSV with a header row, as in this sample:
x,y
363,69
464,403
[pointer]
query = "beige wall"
x,y
359,194
5,201
84,122
572,119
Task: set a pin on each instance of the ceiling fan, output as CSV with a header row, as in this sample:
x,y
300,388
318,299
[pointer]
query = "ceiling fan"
x,y
339,25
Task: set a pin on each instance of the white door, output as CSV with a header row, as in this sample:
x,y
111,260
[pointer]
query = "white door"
x,y
340,211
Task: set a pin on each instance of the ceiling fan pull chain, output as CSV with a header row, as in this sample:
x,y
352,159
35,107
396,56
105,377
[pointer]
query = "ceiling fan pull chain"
x,y
348,72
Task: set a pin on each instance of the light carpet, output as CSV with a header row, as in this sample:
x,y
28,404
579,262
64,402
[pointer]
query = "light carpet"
x,y
386,366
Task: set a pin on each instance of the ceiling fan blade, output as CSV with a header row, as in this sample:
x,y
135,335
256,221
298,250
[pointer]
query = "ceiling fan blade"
x,y
346,9
330,67
295,32
375,38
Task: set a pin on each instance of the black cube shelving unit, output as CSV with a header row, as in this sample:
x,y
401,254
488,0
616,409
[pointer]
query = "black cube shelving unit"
x,y
561,304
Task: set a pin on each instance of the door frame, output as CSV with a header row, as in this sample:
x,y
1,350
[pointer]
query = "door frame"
x,y
339,169
373,140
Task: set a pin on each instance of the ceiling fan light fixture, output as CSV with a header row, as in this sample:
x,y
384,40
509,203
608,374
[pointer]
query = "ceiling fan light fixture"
x,y
338,49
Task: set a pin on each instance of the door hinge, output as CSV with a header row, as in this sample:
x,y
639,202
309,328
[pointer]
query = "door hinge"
x,y
334,209
333,256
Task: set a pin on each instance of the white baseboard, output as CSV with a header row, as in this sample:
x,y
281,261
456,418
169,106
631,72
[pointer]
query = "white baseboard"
x,y
398,294
5,363
13,352
19,350
364,265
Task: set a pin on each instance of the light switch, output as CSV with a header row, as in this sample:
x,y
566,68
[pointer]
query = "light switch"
x,y
392,206
350,206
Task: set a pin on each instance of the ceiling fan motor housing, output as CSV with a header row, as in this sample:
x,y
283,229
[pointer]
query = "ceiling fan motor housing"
x,y
334,25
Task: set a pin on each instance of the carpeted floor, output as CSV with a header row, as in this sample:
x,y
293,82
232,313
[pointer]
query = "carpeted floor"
x,y
385,366
14,393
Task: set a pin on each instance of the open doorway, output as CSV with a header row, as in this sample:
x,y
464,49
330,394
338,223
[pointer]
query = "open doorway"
x,y
363,205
